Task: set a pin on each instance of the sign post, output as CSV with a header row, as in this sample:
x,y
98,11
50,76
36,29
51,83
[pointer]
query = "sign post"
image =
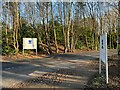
x,y
103,53
30,43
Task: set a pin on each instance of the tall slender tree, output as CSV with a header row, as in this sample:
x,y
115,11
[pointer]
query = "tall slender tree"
x,y
55,38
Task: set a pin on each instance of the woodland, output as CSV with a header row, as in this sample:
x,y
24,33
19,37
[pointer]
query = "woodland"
x,y
59,26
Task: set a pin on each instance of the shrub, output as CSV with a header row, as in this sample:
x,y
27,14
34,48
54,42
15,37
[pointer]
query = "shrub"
x,y
79,45
7,50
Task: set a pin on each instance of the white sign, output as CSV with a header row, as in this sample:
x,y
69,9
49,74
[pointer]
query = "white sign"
x,y
103,54
103,47
30,43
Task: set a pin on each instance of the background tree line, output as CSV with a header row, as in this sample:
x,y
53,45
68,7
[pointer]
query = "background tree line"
x,y
59,26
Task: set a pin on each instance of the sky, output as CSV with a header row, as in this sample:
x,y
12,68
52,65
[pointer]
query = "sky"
x,y
23,11
61,0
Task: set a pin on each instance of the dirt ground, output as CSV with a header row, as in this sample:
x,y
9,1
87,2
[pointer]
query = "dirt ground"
x,y
75,71
99,81
63,70
22,57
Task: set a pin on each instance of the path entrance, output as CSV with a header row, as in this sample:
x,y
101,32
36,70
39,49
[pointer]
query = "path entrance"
x,y
55,71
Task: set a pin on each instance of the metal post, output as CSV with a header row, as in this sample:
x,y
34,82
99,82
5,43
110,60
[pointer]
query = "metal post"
x,y
36,51
99,66
36,46
100,58
23,51
106,60
106,72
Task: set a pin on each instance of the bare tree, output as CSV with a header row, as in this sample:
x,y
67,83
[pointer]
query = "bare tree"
x,y
47,28
15,13
69,6
56,46
62,13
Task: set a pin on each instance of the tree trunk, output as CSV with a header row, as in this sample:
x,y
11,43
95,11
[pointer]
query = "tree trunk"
x,y
15,26
68,30
64,33
47,31
56,46
92,41
68,37
110,41
86,41
6,32
95,41
72,39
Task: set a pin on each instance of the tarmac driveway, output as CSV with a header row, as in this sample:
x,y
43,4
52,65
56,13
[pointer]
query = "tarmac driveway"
x,y
55,71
